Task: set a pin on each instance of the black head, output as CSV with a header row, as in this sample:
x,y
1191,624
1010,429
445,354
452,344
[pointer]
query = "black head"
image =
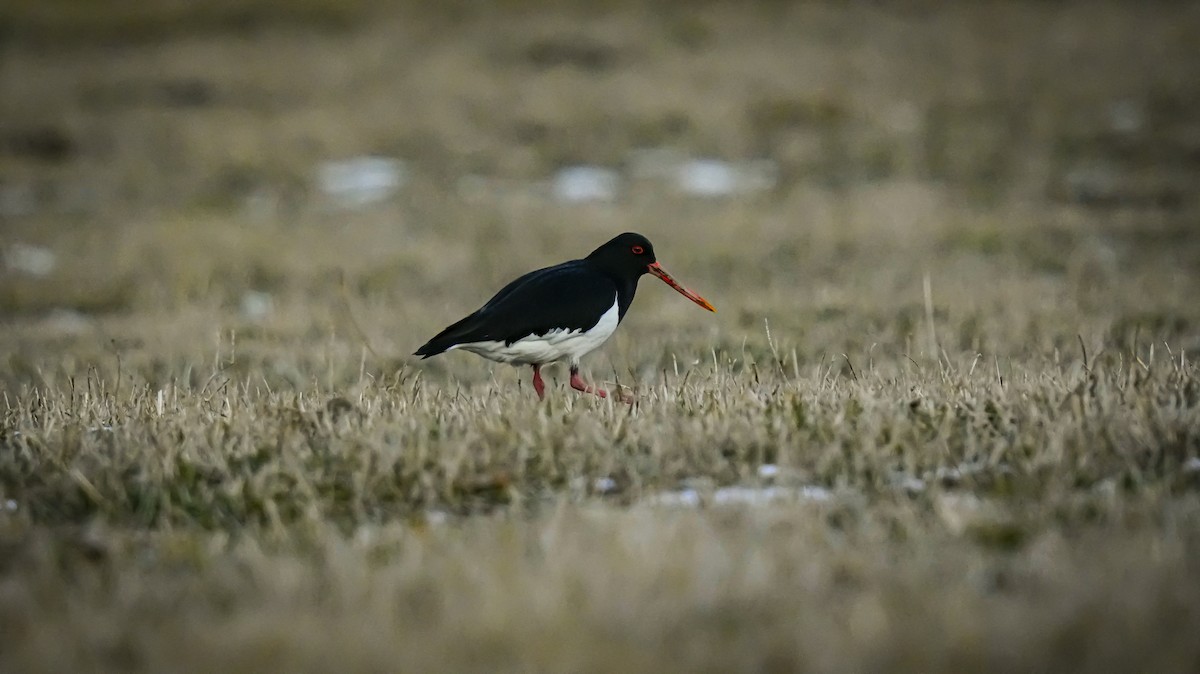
x,y
627,255
630,255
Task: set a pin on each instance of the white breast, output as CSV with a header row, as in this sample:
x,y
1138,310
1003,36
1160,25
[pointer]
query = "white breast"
x,y
553,346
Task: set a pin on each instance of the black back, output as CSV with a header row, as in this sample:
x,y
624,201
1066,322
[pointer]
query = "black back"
x,y
572,295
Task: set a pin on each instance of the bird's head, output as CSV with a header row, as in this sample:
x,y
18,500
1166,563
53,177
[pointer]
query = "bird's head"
x,y
630,255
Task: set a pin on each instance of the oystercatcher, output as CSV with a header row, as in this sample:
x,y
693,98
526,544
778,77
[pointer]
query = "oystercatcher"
x,y
560,312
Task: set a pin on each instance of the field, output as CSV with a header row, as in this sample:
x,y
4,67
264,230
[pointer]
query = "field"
x,y
946,419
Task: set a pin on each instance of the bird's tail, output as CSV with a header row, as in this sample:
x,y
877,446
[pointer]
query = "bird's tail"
x,y
430,349
453,335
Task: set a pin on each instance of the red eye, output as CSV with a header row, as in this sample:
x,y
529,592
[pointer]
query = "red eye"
x,y
638,250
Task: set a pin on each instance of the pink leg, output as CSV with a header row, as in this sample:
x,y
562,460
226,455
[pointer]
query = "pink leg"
x,y
538,384
579,384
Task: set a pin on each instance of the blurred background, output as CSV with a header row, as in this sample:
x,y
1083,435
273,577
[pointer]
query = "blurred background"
x,y
303,191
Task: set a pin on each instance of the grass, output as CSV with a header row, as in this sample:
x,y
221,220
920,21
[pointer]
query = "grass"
x,y
969,523
947,417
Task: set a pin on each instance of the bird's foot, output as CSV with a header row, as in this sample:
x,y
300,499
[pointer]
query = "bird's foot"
x,y
579,384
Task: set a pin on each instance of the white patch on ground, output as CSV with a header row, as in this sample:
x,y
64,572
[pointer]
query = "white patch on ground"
x,y
718,178
656,167
436,517
577,184
68,322
1192,465
361,181
741,496
958,511
256,305
686,498
768,471
1126,116
604,485
765,495
553,346
908,483
11,505
35,261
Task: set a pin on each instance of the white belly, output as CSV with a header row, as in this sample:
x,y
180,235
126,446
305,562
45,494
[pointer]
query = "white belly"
x,y
553,346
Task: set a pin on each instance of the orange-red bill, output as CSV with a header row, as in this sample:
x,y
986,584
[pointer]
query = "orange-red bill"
x,y
656,269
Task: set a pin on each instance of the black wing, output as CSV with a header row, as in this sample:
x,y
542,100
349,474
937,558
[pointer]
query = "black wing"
x,y
571,295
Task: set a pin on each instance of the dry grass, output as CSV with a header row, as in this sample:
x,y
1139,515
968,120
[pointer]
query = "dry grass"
x,y
1048,521
959,336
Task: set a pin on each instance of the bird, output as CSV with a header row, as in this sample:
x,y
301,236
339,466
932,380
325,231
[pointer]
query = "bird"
x,y
559,313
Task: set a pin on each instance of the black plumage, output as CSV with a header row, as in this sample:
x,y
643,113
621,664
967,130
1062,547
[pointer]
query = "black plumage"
x,y
571,296
560,312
